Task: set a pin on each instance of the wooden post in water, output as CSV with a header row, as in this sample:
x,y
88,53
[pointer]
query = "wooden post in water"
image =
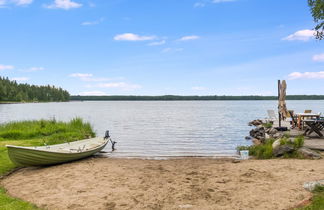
x,y
279,115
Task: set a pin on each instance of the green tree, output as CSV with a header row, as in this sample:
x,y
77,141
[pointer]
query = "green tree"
x,y
317,10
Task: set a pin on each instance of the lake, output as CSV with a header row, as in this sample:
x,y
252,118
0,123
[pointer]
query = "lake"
x,y
158,129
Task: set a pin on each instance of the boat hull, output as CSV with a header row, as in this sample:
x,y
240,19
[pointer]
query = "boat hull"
x,y
30,157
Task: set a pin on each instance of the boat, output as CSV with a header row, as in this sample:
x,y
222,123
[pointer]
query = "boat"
x,y
56,154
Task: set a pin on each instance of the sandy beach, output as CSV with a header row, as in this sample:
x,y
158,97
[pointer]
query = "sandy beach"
x,y
187,183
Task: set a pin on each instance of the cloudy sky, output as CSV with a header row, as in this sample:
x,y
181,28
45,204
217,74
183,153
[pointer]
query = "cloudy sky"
x,y
185,47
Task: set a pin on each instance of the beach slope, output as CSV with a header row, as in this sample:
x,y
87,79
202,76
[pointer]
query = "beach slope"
x,y
186,183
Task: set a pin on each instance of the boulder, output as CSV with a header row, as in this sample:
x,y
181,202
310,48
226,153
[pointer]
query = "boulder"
x,y
283,149
278,135
255,123
258,133
248,137
310,186
273,131
256,141
308,153
276,144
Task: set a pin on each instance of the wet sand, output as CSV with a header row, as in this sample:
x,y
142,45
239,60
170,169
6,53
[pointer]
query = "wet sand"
x,y
187,183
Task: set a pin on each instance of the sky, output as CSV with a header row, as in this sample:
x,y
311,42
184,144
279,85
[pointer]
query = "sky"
x,y
159,47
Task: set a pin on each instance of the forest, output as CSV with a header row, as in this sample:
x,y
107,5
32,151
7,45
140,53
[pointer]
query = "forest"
x,y
190,98
11,91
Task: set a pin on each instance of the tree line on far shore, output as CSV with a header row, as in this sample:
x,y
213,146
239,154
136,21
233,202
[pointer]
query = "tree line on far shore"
x,y
192,98
15,92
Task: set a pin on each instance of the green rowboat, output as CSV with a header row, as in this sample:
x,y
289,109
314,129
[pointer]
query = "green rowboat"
x,y
55,154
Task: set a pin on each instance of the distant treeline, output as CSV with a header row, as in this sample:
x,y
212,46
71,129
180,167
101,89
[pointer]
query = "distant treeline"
x,y
12,91
190,98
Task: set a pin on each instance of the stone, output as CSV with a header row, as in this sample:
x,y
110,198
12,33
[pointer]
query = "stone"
x,y
310,186
258,133
267,136
276,144
273,131
255,122
283,149
308,153
256,141
248,137
278,135
236,161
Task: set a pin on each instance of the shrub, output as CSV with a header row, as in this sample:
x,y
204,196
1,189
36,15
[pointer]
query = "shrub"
x,y
267,125
261,151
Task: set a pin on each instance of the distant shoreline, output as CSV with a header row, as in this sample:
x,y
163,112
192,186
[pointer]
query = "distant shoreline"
x,y
190,98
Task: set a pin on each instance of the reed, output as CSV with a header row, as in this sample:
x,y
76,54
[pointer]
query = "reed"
x,y
35,133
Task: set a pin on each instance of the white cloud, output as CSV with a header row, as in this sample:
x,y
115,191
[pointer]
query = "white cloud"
x,y
306,75
96,22
302,35
20,79
221,1
199,4
171,50
63,4
3,3
81,75
90,78
319,57
132,37
186,38
199,88
119,85
93,93
33,69
22,2
6,67
157,43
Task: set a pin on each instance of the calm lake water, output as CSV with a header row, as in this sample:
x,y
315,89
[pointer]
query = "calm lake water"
x,y
158,129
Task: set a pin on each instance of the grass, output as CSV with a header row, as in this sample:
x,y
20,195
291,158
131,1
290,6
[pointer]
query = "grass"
x,y
35,133
267,125
317,202
265,151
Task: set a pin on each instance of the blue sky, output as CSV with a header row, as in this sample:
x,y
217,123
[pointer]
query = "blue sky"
x,y
184,47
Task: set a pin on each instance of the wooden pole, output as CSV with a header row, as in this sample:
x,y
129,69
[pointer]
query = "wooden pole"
x,y
278,103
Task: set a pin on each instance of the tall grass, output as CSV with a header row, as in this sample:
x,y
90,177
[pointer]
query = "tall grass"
x,y
265,151
50,131
35,133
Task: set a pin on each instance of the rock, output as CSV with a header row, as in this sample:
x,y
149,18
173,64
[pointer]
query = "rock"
x,y
308,153
278,135
276,144
236,161
258,133
267,136
273,131
255,122
283,149
310,186
248,137
256,141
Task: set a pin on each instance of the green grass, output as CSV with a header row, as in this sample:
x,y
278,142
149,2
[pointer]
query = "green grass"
x,y
267,125
9,203
35,133
317,202
265,151
261,151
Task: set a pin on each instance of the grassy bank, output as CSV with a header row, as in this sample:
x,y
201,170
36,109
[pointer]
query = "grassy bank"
x,y
35,133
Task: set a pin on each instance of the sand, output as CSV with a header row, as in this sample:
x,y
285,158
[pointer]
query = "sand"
x,y
187,183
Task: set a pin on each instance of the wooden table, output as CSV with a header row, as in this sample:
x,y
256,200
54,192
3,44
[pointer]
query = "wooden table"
x,y
314,126
301,117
